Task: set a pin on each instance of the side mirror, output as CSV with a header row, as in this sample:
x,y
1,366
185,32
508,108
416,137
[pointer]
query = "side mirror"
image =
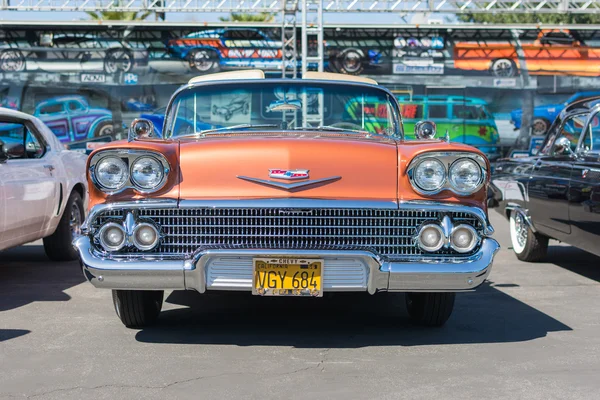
x,y
425,130
3,156
141,129
562,146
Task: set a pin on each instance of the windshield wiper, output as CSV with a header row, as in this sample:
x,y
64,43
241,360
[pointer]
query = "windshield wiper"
x,y
230,128
334,129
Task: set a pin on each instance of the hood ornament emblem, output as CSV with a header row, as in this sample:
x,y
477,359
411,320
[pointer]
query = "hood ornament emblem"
x,y
293,174
290,174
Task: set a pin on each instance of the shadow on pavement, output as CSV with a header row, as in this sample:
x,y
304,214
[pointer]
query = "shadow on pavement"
x,y
7,334
27,275
575,260
343,321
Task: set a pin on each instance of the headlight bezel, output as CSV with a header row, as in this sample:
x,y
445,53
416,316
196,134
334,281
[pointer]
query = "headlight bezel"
x,y
129,157
447,159
476,187
104,187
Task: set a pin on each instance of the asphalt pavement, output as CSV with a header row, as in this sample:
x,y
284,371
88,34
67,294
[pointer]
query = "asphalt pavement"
x,y
532,331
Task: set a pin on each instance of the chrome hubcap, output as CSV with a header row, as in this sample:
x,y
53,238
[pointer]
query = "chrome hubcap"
x,y
75,221
503,68
520,230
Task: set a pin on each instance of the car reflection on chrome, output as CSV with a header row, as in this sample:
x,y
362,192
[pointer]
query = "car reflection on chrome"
x,y
299,200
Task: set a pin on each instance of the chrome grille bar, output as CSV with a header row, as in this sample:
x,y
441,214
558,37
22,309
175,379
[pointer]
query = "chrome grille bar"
x,y
386,232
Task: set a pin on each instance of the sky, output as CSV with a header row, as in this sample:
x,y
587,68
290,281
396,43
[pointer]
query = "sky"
x,y
332,18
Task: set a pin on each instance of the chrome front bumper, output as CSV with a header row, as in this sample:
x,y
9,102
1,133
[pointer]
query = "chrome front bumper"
x,y
433,274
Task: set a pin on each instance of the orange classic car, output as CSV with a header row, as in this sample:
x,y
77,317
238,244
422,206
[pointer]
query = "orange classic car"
x,y
305,192
554,52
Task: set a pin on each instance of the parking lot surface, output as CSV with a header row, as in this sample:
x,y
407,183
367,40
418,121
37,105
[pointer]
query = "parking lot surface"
x,y
532,331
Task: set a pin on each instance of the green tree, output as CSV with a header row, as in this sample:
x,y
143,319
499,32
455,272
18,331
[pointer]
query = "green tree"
x,y
109,15
507,18
244,17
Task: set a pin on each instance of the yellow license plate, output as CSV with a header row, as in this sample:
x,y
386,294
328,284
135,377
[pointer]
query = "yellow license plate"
x,y
287,277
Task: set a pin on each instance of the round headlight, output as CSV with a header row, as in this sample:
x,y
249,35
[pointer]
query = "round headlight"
x,y
431,237
111,173
112,236
465,175
463,238
145,236
430,174
147,173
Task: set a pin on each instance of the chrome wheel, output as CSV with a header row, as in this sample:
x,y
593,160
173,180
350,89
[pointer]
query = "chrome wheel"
x,y
352,62
518,231
503,68
75,220
539,127
12,61
202,61
119,60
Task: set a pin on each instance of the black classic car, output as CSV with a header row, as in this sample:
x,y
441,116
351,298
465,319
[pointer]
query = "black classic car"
x,y
555,194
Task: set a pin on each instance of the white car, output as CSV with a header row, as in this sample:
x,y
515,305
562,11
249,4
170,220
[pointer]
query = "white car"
x,y
43,189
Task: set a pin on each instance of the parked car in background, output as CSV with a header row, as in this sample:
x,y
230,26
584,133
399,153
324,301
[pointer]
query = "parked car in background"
x,y
466,119
555,194
554,52
72,119
70,53
544,115
43,189
296,202
211,50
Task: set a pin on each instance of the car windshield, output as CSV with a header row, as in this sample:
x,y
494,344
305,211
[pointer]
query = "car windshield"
x,y
282,105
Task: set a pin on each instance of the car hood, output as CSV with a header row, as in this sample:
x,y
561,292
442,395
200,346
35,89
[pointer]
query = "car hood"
x,y
242,167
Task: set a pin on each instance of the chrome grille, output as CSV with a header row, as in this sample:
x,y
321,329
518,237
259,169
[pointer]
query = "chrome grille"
x,y
385,232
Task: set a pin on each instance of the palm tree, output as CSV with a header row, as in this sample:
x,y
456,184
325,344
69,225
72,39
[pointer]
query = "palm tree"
x,y
244,17
119,15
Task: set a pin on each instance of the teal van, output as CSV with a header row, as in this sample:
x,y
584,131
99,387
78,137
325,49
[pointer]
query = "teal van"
x,y
466,119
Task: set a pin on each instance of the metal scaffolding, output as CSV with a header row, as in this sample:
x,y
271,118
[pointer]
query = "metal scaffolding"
x,y
329,6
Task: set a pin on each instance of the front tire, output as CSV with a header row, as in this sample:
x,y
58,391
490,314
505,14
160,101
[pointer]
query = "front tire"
x,y
430,309
527,245
540,126
137,308
203,60
58,246
503,68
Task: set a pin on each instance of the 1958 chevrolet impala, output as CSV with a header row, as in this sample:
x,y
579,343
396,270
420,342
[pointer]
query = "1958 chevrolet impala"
x,y
297,198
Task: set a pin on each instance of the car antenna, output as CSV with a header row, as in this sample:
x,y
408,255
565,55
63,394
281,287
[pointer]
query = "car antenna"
x,y
447,136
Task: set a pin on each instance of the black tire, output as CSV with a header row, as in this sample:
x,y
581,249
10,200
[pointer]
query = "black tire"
x,y
539,126
12,60
59,245
104,129
203,60
118,60
527,245
137,308
430,309
503,68
350,62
